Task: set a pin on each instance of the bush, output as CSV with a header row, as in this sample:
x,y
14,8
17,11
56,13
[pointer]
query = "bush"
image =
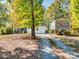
x,y
4,31
9,31
68,33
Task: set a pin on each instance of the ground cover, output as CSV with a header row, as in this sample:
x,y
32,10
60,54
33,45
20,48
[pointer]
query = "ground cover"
x,y
18,46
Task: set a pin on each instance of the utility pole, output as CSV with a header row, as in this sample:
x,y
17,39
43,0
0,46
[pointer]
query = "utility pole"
x,y
33,20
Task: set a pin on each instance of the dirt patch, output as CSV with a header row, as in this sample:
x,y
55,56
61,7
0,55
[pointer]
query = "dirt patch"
x,y
18,47
18,53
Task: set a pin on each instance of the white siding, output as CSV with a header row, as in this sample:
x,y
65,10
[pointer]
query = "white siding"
x,y
52,25
38,30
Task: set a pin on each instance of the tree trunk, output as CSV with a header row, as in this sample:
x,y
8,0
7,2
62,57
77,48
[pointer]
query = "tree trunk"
x,y
33,20
13,27
48,28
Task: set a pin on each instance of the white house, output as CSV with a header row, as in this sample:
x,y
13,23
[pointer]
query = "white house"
x,y
53,25
38,30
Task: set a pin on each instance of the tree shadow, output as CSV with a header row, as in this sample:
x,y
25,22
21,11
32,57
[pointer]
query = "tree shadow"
x,y
18,53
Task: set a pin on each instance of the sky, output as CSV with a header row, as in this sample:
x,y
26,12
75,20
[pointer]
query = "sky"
x,y
47,3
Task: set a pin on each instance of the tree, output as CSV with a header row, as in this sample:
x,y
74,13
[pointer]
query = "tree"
x,y
5,22
22,10
57,10
33,19
74,7
3,15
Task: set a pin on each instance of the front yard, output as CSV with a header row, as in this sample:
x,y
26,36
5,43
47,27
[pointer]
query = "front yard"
x,y
18,46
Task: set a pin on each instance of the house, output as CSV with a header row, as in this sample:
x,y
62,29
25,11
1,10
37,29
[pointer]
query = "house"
x,y
59,25
38,30
62,24
52,26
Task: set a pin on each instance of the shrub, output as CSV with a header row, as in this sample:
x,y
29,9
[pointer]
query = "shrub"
x,y
68,33
9,31
2,30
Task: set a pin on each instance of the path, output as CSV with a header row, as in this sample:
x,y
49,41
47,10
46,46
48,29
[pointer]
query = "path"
x,y
46,50
66,48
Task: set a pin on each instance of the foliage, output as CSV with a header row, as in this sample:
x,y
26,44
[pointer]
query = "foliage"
x,y
56,10
5,22
74,14
3,16
21,12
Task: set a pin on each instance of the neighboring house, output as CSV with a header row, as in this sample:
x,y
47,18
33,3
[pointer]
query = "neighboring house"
x,y
59,25
41,29
53,25
20,30
38,30
62,24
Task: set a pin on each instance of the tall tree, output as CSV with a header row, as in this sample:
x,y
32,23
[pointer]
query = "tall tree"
x,y
30,10
3,15
74,14
57,10
33,19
